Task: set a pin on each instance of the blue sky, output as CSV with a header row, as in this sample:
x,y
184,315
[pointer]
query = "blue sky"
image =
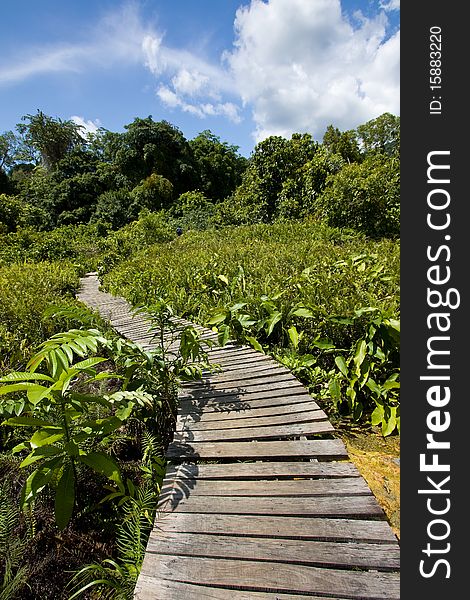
x,y
244,69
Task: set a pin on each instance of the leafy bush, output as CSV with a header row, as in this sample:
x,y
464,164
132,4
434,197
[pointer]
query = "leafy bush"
x,y
365,197
27,290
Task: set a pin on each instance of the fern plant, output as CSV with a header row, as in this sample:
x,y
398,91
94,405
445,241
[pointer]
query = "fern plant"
x,y
13,574
116,578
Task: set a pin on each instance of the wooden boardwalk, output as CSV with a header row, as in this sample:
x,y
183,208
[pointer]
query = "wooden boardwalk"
x,y
260,500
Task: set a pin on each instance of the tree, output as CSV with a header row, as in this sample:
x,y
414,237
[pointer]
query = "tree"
x,y
343,143
274,162
218,164
381,135
51,138
365,197
155,147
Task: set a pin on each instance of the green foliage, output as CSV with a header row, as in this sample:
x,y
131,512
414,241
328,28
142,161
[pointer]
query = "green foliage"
x,y
27,290
51,138
154,193
365,197
381,136
367,378
150,228
219,165
275,287
66,426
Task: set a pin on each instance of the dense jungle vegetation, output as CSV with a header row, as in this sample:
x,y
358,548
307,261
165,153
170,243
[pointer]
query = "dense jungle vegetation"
x,y
294,250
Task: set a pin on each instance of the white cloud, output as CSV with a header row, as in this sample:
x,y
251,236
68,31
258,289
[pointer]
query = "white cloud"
x,y
199,109
301,65
88,126
390,4
116,39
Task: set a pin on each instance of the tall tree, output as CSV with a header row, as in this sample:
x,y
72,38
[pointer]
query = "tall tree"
x,y
381,135
51,138
343,143
219,165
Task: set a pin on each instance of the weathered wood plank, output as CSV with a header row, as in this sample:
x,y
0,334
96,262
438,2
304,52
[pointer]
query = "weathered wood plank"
x,y
314,553
189,435
273,576
253,388
150,588
262,470
195,424
351,486
324,449
275,526
233,402
245,382
245,413
321,506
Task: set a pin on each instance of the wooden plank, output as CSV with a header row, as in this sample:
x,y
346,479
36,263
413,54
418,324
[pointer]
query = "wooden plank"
x,y
262,470
195,424
274,526
272,576
247,381
227,375
247,412
307,552
253,388
187,435
350,486
244,401
238,363
150,588
321,449
321,506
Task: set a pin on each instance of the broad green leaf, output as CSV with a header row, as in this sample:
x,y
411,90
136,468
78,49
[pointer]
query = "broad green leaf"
x,y
125,412
43,437
341,364
39,454
388,426
274,318
372,385
223,278
254,342
17,387
302,311
224,335
89,362
26,422
37,481
335,389
37,393
359,356
236,307
245,321
216,319
323,344
65,497
103,464
293,336
377,415
25,376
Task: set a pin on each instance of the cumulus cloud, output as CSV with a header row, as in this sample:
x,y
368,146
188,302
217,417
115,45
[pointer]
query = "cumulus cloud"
x,y
88,126
315,67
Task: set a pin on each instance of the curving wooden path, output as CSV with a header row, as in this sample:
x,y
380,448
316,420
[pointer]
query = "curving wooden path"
x,y
260,500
